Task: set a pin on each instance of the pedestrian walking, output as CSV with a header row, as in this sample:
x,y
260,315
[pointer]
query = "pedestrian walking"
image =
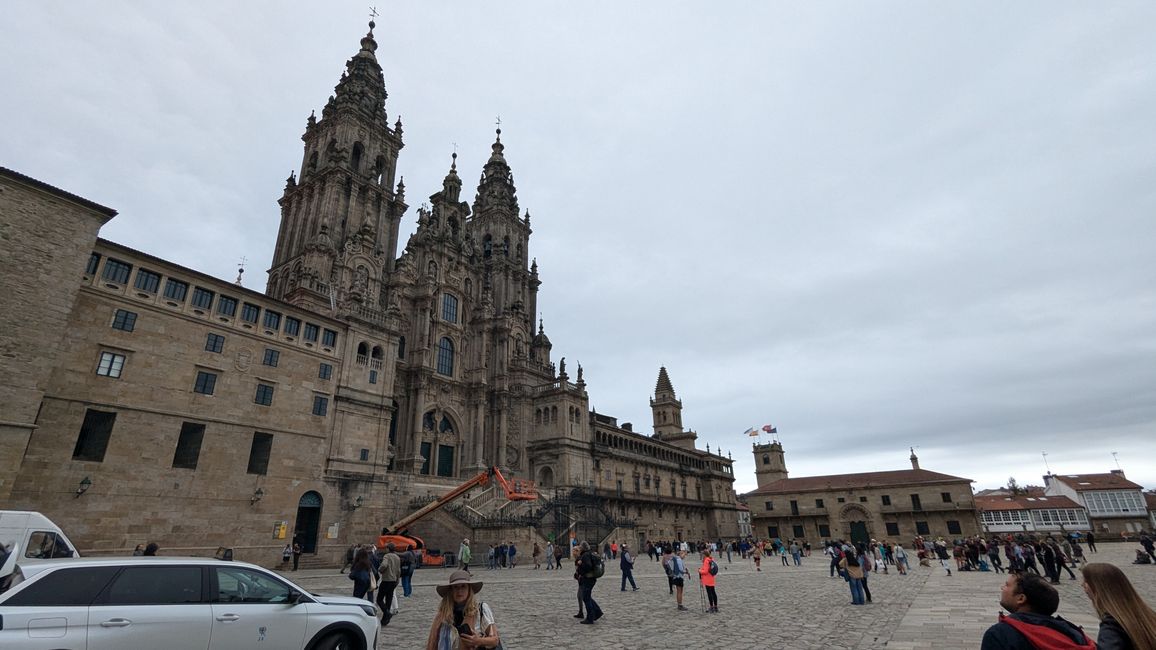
x,y
537,556
408,566
852,572
1091,539
589,568
626,563
465,555
390,569
363,574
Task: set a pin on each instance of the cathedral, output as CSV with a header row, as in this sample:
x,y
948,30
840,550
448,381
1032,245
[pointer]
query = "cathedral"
x,y
154,402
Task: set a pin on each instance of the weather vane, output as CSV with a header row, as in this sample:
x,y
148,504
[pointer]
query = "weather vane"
x,y
373,13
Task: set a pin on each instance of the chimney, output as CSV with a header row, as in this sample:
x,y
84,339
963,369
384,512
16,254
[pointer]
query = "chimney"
x,y
627,426
1119,472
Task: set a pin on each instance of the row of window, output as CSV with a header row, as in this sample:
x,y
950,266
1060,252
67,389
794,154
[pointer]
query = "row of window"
x,y
824,530
885,499
640,447
96,431
206,383
111,364
1050,517
118,272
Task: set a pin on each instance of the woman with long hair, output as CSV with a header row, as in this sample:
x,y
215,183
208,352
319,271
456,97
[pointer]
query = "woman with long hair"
x,y
462,620
361,573
1126,621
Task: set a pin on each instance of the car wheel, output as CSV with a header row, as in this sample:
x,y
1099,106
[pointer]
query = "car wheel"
x,y
335,641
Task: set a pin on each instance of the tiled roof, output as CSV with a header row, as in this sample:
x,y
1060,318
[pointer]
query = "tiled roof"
x,y
1080,482
1150,499
858,481
1023,503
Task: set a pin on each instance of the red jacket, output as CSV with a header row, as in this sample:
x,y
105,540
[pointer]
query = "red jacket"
x,y
704,573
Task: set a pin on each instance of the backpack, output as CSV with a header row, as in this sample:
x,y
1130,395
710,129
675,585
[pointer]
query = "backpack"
x,y
670,570
713,568
597,568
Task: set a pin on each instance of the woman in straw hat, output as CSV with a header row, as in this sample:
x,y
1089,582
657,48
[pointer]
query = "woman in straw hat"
x,y
463,621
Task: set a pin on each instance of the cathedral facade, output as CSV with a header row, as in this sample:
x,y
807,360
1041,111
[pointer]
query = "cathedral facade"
x,y
163,404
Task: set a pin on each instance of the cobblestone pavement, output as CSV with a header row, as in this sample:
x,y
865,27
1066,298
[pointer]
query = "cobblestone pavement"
x,y
780,607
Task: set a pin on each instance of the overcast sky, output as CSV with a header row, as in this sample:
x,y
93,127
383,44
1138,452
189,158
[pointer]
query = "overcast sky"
x,y
873,225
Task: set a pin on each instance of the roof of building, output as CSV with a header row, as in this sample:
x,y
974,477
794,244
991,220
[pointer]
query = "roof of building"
x,y
1150,499
52,189
1023,503
858,481
742,506
1109,481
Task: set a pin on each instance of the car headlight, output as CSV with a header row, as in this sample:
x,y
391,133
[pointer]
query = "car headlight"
x,y
369,610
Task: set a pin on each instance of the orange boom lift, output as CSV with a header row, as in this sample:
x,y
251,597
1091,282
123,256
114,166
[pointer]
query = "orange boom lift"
x,y
398,532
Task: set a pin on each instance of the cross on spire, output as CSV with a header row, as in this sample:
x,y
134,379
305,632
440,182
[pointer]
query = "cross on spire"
x,y
373,13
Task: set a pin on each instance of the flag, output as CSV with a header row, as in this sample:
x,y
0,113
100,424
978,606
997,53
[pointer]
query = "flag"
x,y
752,432
770,428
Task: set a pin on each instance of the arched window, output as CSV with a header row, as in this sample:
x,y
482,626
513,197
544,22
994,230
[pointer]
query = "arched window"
x,y
427,421
446,357
554,413
506,246
449,308
487,246
766,459
445,426
377,353
401,347
379,170
355,157
362,353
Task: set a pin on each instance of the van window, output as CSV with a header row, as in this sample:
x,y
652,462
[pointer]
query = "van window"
x,y
155,585
71,587
45,544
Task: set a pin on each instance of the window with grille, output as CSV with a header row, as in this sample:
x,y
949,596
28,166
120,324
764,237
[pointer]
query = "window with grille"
x,y
250,312
292,326
311,332
329,338
117,271
147,281
176,290
272,320
202,298
227,306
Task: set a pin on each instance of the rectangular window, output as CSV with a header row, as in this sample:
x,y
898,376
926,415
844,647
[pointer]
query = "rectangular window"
x,y
946,496
206,383
449,308
824,530
364,454
795,508
271,357
818,503
921,528
214,343
445,460
325,371
862,499
250,312
94,434
124,320
110,365
117,271
93,264
798,532
259,453
329,338
321,406
176,290
401,347
202,298
227,306
892,529
373,376
264,395
769,505
189,446
886,499
147,281
840,499
915,503
272,320
292,326
953,528
425,454
773,532
618,487
637,484
311,332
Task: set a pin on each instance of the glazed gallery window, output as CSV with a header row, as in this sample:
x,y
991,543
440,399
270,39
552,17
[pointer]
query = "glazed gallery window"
x,y
93,264
250,312
311,331
446,357
147,281
189,446
94,433
110,364
176,290
202,298
272,320
449,308
116,271
227,306
292,326
329,338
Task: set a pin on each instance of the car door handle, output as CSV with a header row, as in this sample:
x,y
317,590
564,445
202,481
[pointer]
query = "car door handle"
x,y
116,622
228,618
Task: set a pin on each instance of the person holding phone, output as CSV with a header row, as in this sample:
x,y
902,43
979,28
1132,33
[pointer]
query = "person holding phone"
x,y
462,620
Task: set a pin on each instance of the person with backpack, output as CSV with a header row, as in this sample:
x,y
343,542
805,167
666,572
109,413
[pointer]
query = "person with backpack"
x,y
677,570
1030,624
626,563
706,575
667,556
589,569
408,565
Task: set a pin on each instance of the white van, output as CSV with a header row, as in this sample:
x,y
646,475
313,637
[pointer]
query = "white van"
x,y
26,534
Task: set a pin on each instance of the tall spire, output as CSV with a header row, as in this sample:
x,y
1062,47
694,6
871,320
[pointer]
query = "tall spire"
x,y
663,384
496,189
362,85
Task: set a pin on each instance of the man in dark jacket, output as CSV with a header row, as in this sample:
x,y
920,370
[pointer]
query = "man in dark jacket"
x,y
626,563
587,561
1032,602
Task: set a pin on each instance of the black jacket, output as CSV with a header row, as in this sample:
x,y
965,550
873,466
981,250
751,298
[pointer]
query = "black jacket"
x,y
1002,636
1112,636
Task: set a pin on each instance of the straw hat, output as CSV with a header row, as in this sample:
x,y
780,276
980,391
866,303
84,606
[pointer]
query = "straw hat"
x,y
459,578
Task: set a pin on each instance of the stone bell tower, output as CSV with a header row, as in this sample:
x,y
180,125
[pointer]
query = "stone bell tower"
x,y
770,466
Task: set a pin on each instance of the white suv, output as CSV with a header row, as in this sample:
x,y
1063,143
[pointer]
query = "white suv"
x,y
113,603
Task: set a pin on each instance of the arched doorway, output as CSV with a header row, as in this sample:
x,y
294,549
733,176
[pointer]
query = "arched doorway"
x,y
546,478
308,521
855,519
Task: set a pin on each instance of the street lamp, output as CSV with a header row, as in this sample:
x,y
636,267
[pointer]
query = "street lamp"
x,y
85,483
